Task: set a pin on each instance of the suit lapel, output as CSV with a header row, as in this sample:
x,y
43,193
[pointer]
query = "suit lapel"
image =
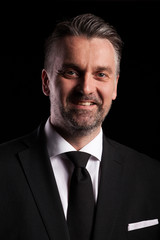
x,y
39,174
108,202
38,171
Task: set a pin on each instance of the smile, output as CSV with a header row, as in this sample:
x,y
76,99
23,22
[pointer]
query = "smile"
x,y
85,103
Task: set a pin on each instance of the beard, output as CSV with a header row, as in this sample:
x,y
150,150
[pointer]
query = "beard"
x,y
82,122
78,122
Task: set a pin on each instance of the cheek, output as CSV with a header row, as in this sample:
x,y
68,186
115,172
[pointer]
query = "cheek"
x,y
63,88
108,93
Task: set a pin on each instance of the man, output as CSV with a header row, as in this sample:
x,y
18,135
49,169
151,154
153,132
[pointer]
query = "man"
x,y
80,76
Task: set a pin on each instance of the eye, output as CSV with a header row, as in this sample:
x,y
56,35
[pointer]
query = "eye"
x,y
70,74
101,75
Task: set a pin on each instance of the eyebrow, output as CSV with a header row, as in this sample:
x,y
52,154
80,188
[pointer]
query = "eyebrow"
x,y
71,65
97,69
107,69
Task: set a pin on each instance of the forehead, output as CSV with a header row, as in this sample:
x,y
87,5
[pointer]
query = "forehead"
x,y
84,50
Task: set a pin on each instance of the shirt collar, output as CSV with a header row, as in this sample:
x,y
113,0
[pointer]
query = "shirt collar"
x,y
56,144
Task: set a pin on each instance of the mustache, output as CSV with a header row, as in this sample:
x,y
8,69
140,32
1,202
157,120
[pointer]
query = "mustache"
x,y
76,97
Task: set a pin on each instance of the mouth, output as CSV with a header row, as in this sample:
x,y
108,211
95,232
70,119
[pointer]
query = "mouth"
x,y
85,103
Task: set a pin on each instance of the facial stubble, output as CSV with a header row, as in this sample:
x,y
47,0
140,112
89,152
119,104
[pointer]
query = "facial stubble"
x,y
83,122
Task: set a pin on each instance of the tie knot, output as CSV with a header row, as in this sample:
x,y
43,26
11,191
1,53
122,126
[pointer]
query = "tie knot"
x,y
79,159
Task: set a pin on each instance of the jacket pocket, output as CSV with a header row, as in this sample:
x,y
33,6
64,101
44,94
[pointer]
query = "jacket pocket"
x,y
147,233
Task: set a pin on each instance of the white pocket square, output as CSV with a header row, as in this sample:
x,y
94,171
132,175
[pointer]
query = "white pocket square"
x,y
142,224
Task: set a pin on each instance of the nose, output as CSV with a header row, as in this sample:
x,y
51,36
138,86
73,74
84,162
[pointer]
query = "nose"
x,y
87,84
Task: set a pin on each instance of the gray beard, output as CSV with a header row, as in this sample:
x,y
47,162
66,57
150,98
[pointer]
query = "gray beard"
x,y
82,129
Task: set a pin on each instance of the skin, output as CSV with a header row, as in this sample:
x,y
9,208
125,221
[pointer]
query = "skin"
x,y
81,86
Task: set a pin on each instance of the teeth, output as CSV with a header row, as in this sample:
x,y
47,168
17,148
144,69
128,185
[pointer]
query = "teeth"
x,y
85,103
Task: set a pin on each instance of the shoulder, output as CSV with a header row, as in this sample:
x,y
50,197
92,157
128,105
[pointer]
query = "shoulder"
x,y
10,148
139,170
131,157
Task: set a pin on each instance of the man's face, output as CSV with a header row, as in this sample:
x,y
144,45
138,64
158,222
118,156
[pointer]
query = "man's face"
x,y
82,83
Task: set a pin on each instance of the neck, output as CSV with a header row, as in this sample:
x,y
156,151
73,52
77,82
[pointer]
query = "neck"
x,y
78,139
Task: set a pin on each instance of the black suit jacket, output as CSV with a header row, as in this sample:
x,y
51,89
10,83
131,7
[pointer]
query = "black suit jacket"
x,y
30,206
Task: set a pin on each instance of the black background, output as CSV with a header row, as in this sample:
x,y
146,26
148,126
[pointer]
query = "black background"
x,y
134,117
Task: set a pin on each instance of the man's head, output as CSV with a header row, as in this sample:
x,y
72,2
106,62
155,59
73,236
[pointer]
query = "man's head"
x,y
87,25
81,72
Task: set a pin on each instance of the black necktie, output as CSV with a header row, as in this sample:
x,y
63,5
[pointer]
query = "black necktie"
x,y
81,199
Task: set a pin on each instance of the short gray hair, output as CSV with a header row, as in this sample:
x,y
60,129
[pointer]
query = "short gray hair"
x,y
87,25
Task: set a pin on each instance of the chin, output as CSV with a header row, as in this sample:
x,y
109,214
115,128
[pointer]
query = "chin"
x,y
83,128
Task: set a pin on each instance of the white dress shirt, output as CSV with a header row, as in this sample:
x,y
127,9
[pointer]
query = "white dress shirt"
x,y
62,168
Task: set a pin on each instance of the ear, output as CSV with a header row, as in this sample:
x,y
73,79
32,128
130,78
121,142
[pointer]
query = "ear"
x,y
45,82
114,95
